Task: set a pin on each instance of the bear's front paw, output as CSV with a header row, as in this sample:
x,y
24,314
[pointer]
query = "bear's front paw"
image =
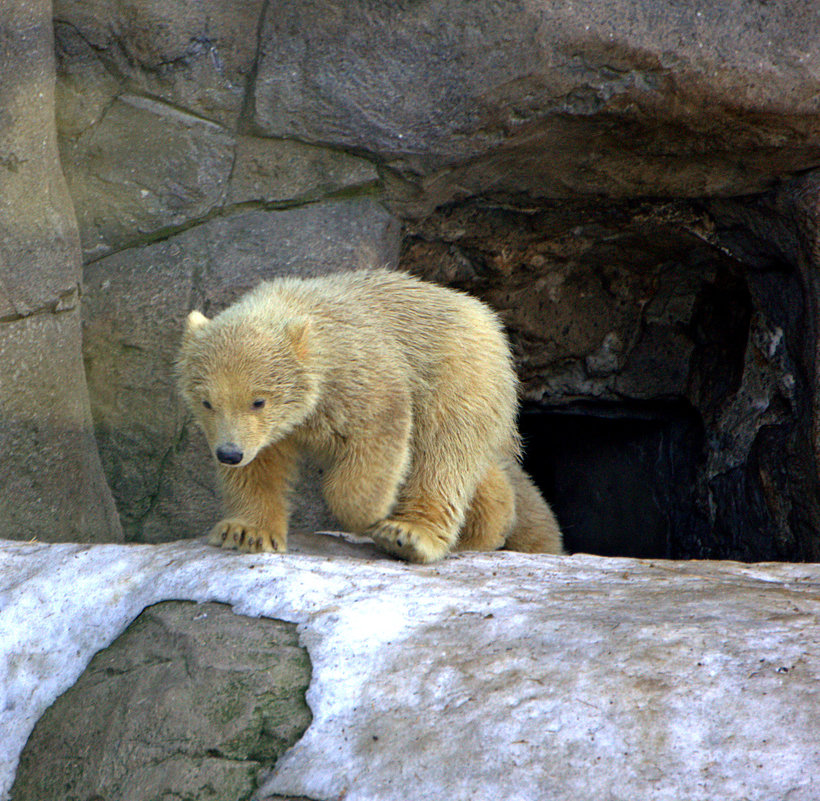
x,y
411,541
236,533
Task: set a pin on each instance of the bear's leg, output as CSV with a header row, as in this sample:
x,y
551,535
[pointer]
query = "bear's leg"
x,y
536,529
422,533
360,488
424,524
257,499
491,513
363,480
451,451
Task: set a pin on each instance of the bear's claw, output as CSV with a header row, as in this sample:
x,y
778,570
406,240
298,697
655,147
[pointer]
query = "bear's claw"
x,y
236,533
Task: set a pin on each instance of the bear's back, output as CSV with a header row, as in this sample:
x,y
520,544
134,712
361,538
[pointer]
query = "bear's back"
x,y
416,314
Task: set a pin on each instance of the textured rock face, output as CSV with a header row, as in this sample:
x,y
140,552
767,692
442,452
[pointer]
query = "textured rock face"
x,y
601,303
189,54
624,98
149,102
485,676
51,483
192,701
143,169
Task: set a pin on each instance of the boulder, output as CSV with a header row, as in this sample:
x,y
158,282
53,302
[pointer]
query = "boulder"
x,y
146,170
134,307
484,676
625,98
51,483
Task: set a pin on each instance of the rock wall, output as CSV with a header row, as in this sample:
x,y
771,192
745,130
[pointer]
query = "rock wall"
x,y
622,98
630,185
51,482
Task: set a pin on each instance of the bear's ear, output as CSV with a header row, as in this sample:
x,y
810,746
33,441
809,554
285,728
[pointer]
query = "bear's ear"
x,y
194,322
298,334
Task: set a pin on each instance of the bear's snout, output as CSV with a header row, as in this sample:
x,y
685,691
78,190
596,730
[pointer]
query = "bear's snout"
x,y
229,454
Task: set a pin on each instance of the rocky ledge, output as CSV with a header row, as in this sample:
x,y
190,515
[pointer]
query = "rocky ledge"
x,y
484,676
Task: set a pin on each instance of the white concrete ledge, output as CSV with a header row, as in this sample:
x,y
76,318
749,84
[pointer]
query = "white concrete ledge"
x,y
485,676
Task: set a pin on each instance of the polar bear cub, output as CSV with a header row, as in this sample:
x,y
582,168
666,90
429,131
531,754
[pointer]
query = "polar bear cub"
x,y
402,390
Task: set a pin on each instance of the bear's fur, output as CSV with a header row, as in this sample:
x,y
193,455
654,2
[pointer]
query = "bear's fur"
x,y
402,390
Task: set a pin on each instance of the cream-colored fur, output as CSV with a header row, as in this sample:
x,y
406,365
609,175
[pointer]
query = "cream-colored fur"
x,y
403,390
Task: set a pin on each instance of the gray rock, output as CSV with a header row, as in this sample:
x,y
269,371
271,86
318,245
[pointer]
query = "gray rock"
x,y
192,701
197,56
135,304
39,268
277,171
626,98
143,169
85,88
148,99
51,484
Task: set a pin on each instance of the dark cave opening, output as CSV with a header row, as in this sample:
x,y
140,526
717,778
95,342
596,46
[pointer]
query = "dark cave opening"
x,y
620,485
635,481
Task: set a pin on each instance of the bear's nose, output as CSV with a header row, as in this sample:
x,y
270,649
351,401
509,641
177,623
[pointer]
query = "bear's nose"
x,y
229,454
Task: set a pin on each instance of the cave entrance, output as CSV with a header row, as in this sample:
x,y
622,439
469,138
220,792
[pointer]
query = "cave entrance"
x,y
667,351
643,483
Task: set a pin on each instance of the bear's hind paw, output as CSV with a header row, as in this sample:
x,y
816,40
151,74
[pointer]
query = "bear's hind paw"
x,y
410,541
237,534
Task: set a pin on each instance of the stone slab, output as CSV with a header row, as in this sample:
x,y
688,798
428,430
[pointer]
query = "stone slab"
x,y
144,168
613,98
484,676
191,701
51,482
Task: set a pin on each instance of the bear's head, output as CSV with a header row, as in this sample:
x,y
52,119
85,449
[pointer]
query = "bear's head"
x,y
248,383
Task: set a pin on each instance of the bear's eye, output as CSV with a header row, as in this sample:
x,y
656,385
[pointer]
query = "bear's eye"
x,y
207,404
258,403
